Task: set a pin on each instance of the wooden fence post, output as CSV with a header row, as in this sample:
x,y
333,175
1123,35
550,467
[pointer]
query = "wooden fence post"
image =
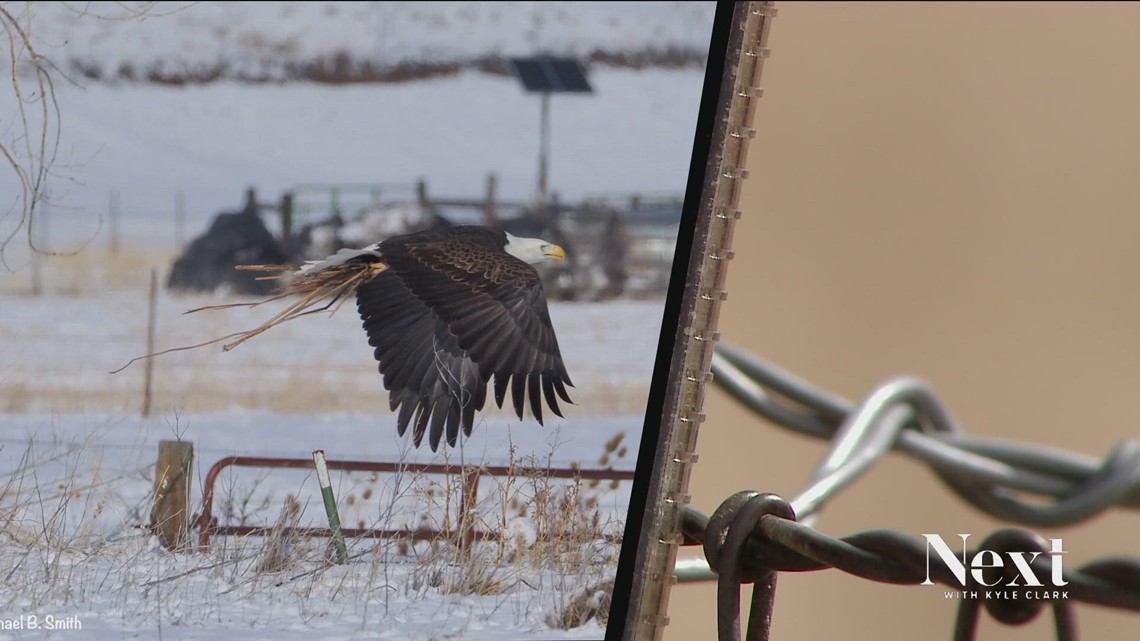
x,y
467,501
250,207
170,513
287,219
113,220
490,215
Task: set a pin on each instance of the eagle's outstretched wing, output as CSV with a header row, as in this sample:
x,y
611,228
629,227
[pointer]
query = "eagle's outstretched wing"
x,y
426,372
445,318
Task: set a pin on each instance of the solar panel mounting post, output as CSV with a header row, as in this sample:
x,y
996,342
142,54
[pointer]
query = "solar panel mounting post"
x,y
546,75
543,147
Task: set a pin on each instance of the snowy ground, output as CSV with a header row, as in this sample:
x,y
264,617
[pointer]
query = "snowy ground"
x,y
77,460
72,510
76,475
58,349
76,470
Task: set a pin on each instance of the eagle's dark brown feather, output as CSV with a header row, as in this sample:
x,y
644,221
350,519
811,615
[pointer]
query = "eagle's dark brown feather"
x,y
451,312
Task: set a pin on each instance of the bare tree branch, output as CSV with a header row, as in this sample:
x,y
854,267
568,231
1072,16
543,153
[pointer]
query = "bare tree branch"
x,y
34,142
30,141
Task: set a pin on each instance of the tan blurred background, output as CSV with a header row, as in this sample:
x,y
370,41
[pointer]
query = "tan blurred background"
x,y
952,191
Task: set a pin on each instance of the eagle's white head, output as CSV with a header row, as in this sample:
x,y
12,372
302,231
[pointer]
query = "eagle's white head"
x,y
533,250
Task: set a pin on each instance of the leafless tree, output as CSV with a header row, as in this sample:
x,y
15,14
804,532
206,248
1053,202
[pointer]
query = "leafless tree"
x,y
30,142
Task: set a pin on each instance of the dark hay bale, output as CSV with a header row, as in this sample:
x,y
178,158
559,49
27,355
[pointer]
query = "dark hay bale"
x,y
232,239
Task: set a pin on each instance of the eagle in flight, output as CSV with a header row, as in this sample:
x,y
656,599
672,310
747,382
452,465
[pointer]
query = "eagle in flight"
x,y
448,312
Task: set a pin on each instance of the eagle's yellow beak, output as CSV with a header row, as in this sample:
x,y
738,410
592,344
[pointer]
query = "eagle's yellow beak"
x,y
554,252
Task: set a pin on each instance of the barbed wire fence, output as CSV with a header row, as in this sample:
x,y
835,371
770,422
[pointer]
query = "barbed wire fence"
x,y
754,536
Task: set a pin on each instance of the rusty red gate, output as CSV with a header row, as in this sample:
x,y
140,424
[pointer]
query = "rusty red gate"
x,y
466,533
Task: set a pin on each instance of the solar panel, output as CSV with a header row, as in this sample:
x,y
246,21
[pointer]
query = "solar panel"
x,y
547,74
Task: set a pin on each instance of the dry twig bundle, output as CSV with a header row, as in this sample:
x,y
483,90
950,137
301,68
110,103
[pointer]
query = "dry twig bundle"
x,y
319,290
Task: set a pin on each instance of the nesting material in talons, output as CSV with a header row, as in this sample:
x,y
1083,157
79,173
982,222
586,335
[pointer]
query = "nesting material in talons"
x,y
319,290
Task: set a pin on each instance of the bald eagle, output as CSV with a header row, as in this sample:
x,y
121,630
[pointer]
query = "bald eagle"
x,y
448,312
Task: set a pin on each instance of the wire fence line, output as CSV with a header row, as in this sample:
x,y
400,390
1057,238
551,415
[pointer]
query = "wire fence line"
x,y
753,536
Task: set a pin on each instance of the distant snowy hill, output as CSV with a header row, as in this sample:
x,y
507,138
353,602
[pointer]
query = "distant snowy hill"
x,y
153,144
277,40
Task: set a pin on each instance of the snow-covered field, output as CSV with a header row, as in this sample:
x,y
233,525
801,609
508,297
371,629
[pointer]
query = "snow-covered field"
x,y
149,144
153,144
264,37
76,488
77,467
77,459
58,349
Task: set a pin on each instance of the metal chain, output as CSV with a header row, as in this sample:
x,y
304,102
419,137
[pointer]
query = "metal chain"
x,y
752,536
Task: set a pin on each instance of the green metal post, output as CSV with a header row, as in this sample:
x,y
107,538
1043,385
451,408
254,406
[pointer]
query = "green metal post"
x,y
330,506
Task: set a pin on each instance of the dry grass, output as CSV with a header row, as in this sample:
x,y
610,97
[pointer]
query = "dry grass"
x,y
103,296
72,534
86,272
275,555
553,546
59,506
